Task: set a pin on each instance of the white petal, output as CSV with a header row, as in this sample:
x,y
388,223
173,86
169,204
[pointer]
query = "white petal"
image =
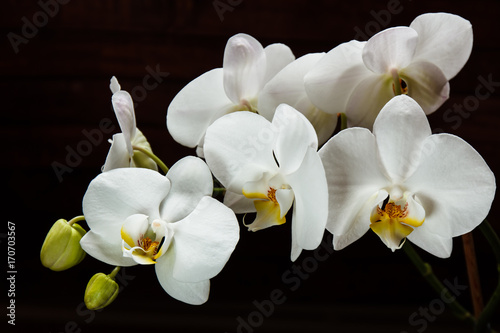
x,y
354,174
277,57
288,87
367,99
105,249
360,222
433,243
244,68
204,241
118,155
285,198
443,39
332,80
196,106
310,188
188,292
238,203
415,210
134,228
391,48
124,110
259,188
114,86
296,248
239,148
295,135
190,181
400,130
427,85
454,185
115,195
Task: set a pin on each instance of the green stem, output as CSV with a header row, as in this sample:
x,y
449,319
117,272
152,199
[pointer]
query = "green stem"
x,y
426,271
343,121
153,157
219,190
76,219
114,272
494,302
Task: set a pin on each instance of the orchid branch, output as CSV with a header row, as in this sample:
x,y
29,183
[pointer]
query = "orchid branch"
x,y
76,219
472,273
153,157
494,302
425,270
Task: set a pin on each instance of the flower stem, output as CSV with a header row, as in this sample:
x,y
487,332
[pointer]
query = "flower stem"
x,y
76,219
343,120
153,157
472,273
426,271
114,272
494,302
219,191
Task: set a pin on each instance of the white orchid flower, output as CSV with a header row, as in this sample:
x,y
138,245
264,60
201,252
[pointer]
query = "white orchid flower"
x,y
268,167
121,153
246,68
403,182
137,216
358,78
288,87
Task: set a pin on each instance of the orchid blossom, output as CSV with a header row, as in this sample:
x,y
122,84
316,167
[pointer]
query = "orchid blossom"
x,y
404,183
247,66
359,78
267,167
121,153
288,87
138,216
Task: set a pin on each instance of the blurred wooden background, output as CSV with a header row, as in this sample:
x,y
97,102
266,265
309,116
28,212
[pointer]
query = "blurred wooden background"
x,y
56,87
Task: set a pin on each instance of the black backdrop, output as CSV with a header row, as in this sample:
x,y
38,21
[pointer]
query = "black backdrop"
x,y
54,82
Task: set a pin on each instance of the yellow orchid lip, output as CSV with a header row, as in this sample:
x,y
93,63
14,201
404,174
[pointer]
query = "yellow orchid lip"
x,y
393,224
141,247
268,210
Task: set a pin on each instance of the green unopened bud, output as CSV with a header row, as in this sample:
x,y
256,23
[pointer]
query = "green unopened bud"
x,y
61,249
101,291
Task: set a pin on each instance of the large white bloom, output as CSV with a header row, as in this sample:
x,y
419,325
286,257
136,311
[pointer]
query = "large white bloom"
x,y
121,153
246,68
288,87
138,216
403,182
358,78
268,167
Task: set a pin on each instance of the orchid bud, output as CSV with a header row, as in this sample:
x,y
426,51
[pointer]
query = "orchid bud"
x,y
140,159
101,291
61,249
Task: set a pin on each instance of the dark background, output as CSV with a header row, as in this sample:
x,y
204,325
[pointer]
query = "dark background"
x,y
56,86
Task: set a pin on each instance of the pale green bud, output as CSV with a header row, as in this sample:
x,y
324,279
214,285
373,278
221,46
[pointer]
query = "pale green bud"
x,y
61,249
140,159
101,291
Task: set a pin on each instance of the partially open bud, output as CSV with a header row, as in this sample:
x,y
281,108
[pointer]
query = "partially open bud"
x,y
101,291
61,249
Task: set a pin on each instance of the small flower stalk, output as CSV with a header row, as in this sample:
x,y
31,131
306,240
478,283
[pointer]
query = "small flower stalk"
x,y
101,290
61,249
